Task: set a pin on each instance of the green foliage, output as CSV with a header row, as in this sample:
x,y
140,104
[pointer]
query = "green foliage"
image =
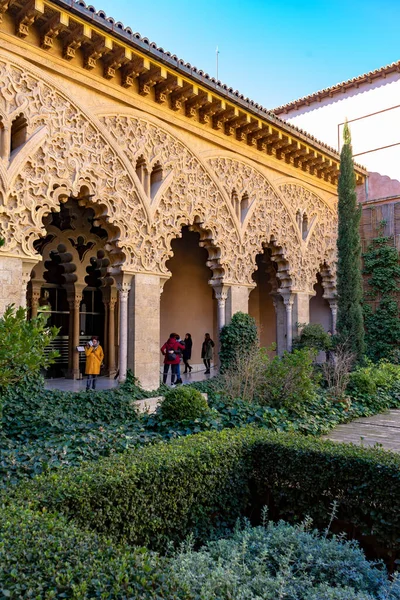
x,y
381,264
369,379
313,336
289,380
23,343
350,327
44,556
201,484
281,561
183,403
240,336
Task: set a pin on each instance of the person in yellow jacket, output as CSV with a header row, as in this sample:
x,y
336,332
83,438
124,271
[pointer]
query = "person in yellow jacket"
x,y
94,358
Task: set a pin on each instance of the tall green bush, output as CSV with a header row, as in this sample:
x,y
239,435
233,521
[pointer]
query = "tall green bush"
x,y
381,265
239,337
313,336
23,344
350,326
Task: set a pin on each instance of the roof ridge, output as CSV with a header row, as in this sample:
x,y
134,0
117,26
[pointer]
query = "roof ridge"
x,y
118,28
338,87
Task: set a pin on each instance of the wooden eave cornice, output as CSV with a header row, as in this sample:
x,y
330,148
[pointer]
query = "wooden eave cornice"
x,y
134,63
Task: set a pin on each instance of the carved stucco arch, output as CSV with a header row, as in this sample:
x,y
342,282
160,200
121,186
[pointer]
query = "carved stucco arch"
x,y
72,154
189,196
74,150
319,247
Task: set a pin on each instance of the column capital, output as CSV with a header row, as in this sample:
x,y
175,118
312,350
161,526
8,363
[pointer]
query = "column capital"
x,y
288,299
220,291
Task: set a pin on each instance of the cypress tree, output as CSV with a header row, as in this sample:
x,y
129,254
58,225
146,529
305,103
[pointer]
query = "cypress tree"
x,y
350,326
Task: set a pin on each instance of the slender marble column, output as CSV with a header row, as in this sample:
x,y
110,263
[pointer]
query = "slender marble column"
x,y
76,304
111,337
333,307
123,289
288,300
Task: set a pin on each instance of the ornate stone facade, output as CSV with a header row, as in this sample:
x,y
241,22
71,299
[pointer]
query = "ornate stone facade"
x,y
145,173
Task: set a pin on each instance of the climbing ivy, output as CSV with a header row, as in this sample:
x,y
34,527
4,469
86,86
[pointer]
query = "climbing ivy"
x,y
381,265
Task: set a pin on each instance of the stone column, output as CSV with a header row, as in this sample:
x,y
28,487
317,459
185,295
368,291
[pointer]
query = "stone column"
x,y
221,295
123,290
237,300
280,312
36,290
111,337
26,276
333,307
76,305
288,300
301,311
105,337
146,331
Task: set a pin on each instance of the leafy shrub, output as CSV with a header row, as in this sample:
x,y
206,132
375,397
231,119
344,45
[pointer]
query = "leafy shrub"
x,y
313,336
240,335
44,556
367,380
201,484
289,380
23,343
183,403
281,561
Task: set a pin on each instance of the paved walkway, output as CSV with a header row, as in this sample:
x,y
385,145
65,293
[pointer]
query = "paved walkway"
x,y
383,429
105,383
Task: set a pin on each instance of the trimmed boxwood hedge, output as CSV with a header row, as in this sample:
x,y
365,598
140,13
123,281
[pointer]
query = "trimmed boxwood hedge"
x,y
202,483
43,556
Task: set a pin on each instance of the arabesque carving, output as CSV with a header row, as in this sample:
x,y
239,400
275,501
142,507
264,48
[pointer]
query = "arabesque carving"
x,y
67,152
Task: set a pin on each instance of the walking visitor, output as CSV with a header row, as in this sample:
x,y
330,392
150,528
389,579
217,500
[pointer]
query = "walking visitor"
x,y
207,352
94,358
187,353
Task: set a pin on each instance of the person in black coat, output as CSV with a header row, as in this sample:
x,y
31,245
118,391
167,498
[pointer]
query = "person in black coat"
x,y
187,353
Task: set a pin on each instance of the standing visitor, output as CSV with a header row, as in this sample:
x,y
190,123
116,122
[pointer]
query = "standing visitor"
x,y
179,353
207,352
187,353
94,358
170,352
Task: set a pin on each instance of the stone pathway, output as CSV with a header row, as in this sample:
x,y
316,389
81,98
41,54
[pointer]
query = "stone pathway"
x,y
383,429
105,383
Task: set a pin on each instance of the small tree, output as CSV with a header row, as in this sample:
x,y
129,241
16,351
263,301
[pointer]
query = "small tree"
x,y
240,336
22,347
350,326
313,336
381,264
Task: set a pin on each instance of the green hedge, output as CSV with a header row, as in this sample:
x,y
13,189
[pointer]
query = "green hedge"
x,y
203,483
43,556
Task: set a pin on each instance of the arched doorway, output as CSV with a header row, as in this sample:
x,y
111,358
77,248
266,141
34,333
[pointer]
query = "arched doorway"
x,y
261,299
320,311
72,286
187,301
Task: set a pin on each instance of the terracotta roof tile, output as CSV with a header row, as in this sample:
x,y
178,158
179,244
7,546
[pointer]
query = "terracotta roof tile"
x,y
338,88
100,18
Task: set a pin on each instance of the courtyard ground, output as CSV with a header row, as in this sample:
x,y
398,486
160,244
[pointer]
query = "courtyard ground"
x,y
382,429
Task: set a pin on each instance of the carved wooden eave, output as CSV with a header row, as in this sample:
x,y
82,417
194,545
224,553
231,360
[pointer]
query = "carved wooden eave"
x,y
135,64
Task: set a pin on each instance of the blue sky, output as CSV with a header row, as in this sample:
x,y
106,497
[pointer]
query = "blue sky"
x,y
270,50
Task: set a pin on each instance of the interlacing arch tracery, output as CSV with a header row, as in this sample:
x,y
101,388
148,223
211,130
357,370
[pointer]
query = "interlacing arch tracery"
x,y
321,239
67,151
191,197
73,154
